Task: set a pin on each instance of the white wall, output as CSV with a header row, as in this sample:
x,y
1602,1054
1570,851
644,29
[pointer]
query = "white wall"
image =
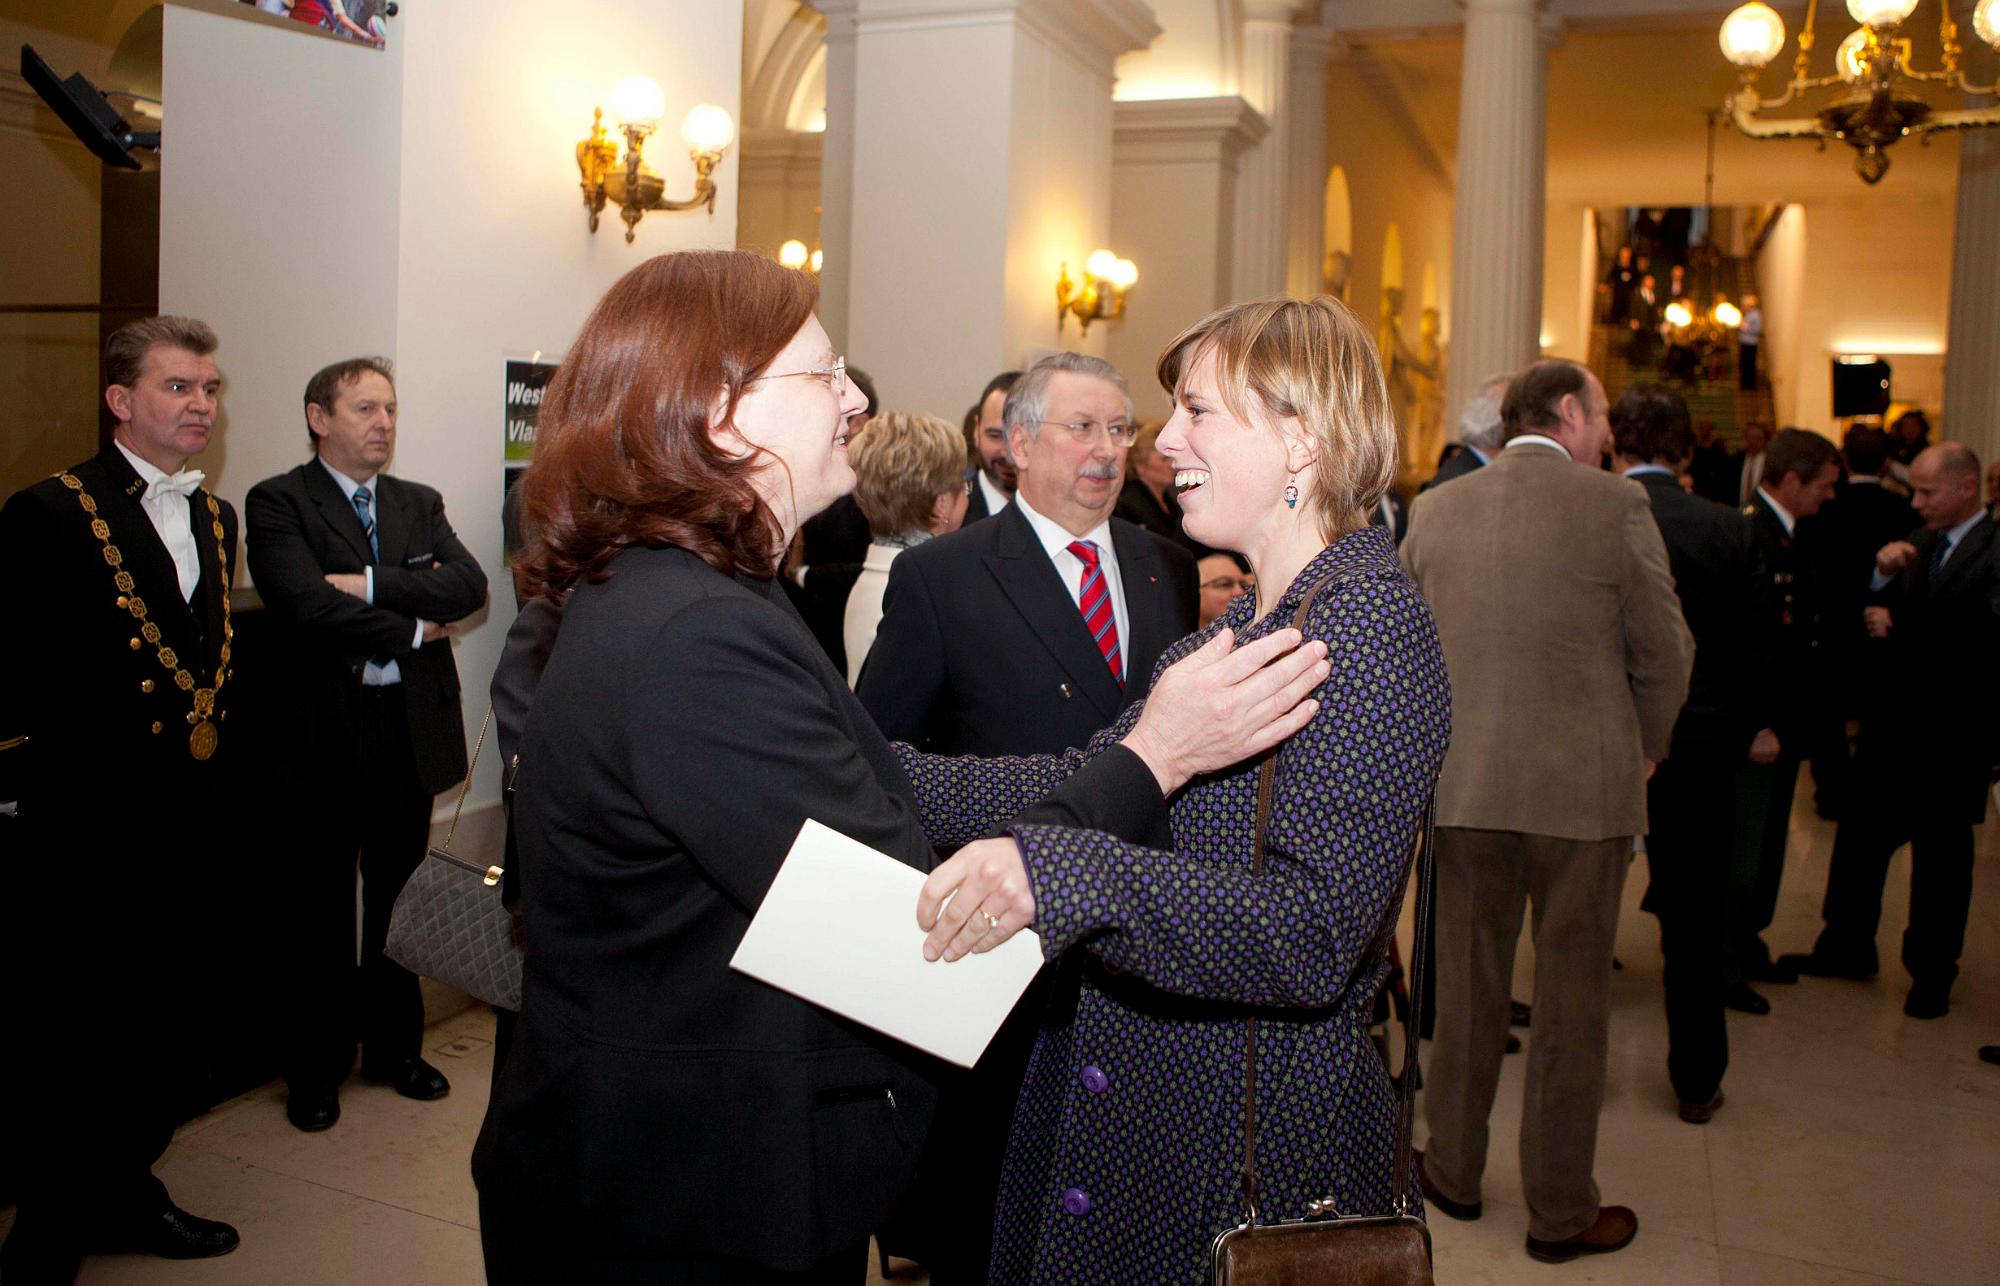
x,y
323,200
1781,273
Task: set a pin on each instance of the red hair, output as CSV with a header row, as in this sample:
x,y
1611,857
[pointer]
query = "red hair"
x,y
623,454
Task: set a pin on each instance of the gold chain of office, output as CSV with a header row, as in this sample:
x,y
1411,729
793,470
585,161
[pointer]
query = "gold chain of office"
x,y
203,736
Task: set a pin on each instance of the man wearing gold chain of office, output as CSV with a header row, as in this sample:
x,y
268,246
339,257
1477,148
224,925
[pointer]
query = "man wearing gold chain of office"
x,y
114,744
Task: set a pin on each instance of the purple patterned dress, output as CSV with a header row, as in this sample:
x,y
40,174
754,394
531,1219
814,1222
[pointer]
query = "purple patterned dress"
x,y
1127,1143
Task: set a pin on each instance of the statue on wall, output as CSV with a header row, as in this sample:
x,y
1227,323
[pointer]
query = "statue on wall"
x,y
1428,372
1333,274
1416,385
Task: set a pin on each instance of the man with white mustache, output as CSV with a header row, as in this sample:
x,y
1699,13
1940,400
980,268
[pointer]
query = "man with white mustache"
x,y
1023,634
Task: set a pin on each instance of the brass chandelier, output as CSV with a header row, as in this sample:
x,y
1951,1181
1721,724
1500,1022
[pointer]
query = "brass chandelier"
x,y
1876,104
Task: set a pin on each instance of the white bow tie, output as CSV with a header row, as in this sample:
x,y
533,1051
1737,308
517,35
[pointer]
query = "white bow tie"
x,y
180,484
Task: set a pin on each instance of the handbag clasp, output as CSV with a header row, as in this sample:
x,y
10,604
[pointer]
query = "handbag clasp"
x,y
493,874
1324,1208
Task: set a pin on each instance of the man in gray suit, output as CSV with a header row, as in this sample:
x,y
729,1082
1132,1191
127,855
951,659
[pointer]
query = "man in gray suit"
x,y
1569,662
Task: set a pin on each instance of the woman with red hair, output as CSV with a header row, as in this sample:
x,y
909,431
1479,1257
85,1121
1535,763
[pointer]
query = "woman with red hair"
x,y
660,1118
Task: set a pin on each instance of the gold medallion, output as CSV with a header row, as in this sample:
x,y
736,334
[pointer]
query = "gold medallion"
x,y
202,741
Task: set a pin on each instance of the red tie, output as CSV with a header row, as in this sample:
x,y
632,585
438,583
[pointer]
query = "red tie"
x,y
1093,599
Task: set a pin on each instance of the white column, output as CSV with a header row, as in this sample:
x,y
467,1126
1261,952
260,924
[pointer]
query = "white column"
x,y
1496,260
1972,340
979,146
836,174
1173,212
1313,46
1262,189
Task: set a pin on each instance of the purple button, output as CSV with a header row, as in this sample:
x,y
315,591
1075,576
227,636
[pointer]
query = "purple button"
x,y
1095,1080
1076,1201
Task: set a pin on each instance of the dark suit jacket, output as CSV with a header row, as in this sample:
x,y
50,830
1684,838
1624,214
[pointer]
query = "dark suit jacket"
x,y
1461,463
1714,478
301,528
981,650
656,1103
1720,581
108,862
1138,506
1794,606
1938,743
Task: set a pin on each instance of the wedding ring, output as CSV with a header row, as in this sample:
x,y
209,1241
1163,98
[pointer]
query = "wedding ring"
x,y
992,920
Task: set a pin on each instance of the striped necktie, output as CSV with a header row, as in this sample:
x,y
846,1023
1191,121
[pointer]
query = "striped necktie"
x,y
1093,599
362,496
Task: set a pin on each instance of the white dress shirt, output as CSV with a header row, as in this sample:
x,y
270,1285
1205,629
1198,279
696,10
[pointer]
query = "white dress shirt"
x,y
1056,541
1538,440
388,672
167,505
1753,480
996,499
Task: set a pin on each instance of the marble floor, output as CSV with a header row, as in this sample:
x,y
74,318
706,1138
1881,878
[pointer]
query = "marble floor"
x,y
1857,1146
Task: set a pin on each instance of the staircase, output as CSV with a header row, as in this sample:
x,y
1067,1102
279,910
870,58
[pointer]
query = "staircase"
x,y
1715,399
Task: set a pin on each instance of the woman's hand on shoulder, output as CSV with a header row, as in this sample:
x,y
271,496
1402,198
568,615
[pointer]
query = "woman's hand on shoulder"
x,y
1222,704
975,900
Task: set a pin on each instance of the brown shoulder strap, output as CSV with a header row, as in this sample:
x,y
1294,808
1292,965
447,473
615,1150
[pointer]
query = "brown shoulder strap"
x,y
1407,1083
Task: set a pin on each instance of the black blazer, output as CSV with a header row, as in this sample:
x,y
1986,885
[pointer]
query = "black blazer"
x,y
106,727
981,650
1794,609
1940,746
657,1103
1720,580
1138,506
302,527
1460,464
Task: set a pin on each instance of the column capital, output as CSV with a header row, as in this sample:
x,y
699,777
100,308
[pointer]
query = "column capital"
x,y
1097,30
1185,129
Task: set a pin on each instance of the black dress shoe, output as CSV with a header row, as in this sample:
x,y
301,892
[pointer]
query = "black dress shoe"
x,y
1518,1014
31,1259
172,1233
1990,1054
312,1110
412,1078
1771,971
1928,1000
1513,1045
1743,998
1700,1113
1814,965
1464,1211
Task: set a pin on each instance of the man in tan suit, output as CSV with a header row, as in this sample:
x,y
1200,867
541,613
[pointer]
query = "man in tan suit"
x,y
1569,661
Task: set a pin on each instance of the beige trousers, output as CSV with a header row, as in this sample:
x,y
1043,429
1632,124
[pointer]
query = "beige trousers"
x,y
1484,881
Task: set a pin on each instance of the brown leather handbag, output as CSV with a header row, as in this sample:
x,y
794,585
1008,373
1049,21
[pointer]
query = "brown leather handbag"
x,y
1327,1246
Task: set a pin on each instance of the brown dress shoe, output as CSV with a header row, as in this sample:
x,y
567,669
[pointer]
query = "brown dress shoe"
x,y
1700,1113
1613,1230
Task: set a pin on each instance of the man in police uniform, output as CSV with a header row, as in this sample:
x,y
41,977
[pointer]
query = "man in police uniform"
x,y
114,722
1800,470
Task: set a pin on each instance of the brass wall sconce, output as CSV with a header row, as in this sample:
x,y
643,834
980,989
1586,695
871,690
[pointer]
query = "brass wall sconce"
x,y
793,254
637,105
1100,296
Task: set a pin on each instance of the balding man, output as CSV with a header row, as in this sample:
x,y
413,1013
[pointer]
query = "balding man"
x,y
1569,662
1478,434
1924,757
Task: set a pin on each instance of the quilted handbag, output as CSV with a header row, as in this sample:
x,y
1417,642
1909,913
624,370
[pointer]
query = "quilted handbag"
x,y
449,922
1326,1246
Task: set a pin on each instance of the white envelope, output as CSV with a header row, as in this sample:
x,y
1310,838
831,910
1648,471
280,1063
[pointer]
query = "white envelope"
x,y
839,928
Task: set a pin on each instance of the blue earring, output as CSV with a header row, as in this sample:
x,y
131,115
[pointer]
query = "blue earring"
x,y
1291,495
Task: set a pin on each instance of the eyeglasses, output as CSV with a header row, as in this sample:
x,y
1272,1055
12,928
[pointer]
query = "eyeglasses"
x,y
1235,585
1085,431
831,376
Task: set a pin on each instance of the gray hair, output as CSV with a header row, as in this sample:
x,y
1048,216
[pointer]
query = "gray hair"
x,y
1027,402
1479,418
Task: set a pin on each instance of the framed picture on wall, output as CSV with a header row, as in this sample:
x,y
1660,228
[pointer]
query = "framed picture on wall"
x,y
365,22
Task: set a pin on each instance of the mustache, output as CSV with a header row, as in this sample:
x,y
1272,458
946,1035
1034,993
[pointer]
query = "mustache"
x,y
1106,471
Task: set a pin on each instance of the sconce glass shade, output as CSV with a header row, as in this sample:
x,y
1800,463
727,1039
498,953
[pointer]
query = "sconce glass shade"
x,y
1986,22
792,254
708,130
1123,273
1727,314
639,101
1847,59
817,259
1881,14
1752,36
1678,314
1102,265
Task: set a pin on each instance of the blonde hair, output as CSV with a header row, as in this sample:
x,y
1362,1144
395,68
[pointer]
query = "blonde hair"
x,y
903,461
1311,360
